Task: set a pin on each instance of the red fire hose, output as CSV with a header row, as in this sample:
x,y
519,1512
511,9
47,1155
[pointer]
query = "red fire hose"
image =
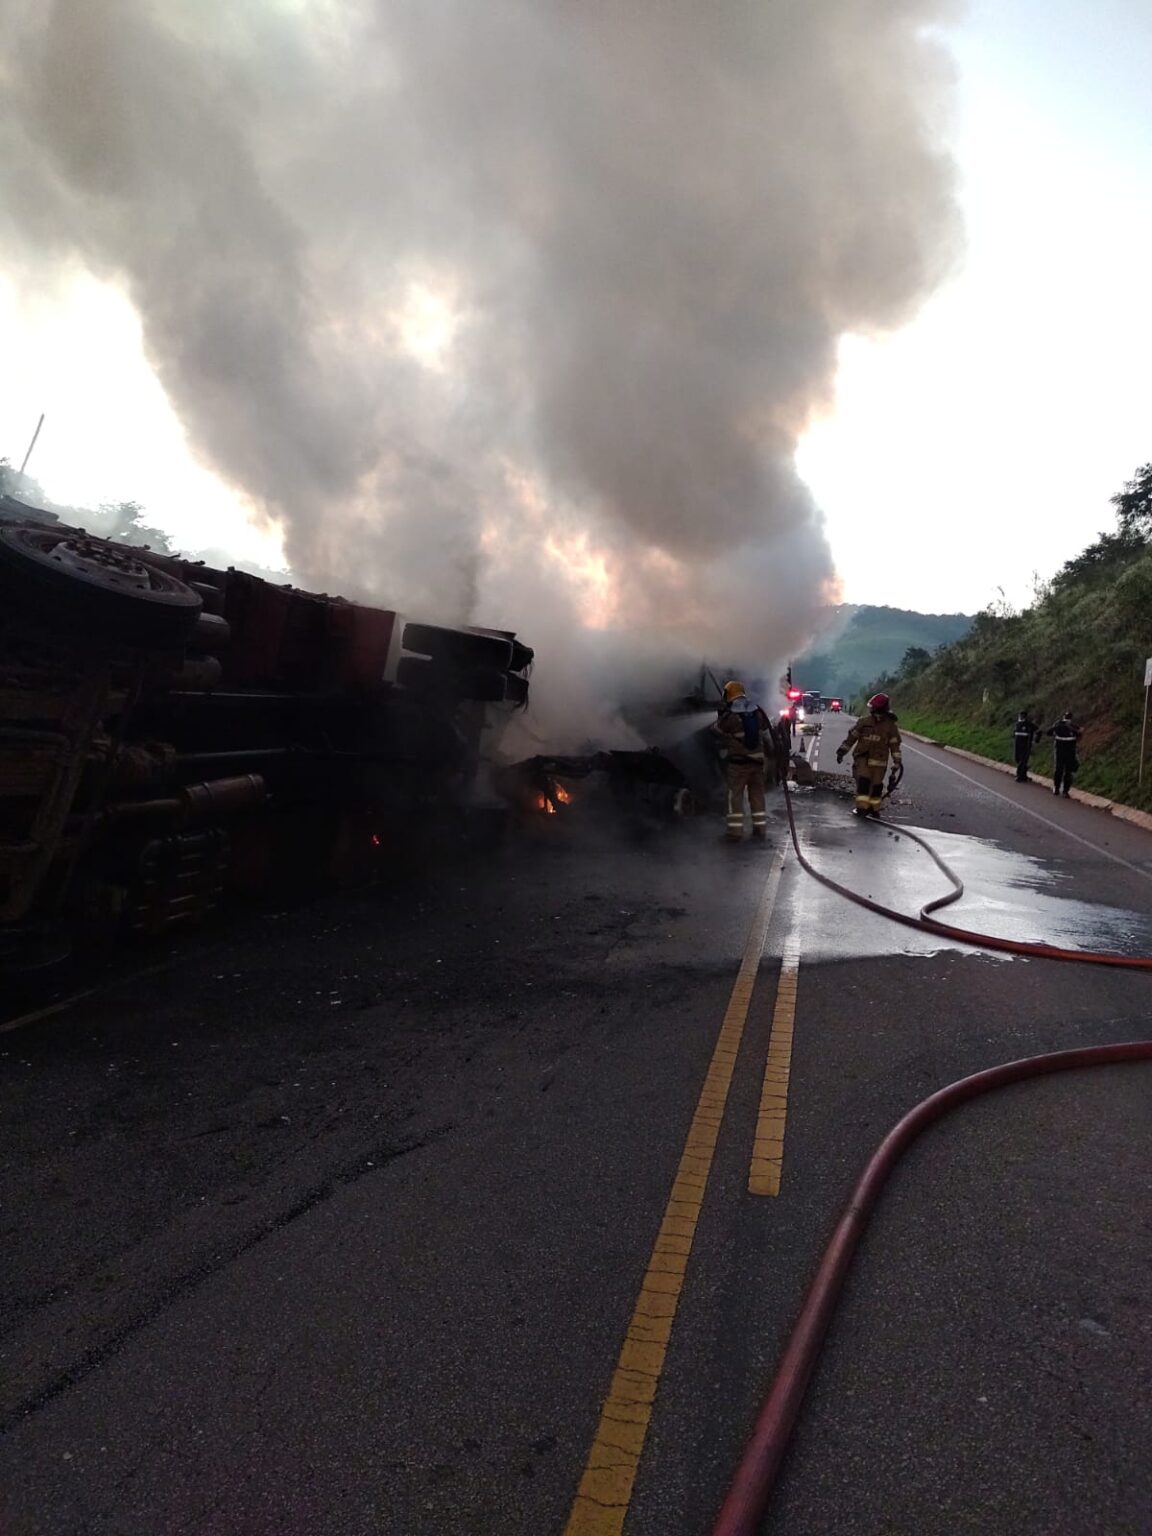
x,y
946,930
743,1509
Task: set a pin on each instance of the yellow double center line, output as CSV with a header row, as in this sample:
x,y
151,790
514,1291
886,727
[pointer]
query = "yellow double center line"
x,y
768,1147
605,1489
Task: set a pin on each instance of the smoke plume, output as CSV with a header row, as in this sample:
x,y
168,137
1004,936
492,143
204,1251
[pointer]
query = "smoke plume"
x,y
509,311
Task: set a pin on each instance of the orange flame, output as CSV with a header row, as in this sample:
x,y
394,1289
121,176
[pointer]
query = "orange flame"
x,y
562,795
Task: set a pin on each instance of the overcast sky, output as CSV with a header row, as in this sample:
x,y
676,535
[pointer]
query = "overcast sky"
x,y
974,449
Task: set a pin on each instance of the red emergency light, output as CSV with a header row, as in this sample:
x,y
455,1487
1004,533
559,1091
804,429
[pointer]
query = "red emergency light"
x,y
795,693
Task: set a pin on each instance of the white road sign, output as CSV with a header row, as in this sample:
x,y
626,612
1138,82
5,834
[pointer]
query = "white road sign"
x,y
1148,673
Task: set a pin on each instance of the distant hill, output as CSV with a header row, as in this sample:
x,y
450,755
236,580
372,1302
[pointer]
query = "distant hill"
x,y
865,642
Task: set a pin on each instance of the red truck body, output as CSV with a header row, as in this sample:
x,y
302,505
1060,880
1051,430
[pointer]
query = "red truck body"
x,y
168,730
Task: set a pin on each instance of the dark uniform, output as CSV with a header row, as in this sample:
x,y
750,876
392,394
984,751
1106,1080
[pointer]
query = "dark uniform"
x,y
1025,734
1064,736
871,741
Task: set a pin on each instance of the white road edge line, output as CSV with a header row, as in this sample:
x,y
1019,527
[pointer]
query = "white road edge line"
x,y
1036,816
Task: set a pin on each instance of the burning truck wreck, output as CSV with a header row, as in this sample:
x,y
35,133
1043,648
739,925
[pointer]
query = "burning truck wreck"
x,y
169,731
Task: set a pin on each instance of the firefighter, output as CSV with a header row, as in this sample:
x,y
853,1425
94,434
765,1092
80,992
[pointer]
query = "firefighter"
x,y
872,740
1025,734
747,733
1065,734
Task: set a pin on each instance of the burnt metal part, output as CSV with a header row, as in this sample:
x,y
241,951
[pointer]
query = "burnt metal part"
x,y
179,880
459,648
207,801
486,685
647,778
222,797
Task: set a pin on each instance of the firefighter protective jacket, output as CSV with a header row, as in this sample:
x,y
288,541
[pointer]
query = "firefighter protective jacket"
x,y
871,741
730,726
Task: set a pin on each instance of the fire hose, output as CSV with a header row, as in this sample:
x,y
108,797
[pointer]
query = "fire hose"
x,y
751,1488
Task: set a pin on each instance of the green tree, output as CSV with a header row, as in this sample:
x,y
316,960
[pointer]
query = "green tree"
x,y
124,520
21,487
1134,505
915,659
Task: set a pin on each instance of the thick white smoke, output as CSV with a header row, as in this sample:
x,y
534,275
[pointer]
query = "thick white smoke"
x,y
509,311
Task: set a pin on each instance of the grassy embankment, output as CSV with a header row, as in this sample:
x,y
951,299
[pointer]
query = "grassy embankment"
x,y
1081,646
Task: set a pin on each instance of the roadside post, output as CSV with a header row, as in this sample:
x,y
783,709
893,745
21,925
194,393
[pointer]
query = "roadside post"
x,y
32,444
1144,727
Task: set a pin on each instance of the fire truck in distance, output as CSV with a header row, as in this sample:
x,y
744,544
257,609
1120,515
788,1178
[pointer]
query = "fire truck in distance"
x,y
168,731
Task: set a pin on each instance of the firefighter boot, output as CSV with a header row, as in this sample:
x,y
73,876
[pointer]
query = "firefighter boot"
x,y
759,806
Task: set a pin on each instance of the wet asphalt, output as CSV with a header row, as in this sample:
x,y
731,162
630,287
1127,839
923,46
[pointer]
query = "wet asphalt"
x,y
334,1221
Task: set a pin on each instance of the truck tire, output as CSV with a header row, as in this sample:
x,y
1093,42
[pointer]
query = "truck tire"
x,y
66,579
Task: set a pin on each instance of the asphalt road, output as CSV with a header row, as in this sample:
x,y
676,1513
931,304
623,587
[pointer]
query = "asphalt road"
x,y
335,1222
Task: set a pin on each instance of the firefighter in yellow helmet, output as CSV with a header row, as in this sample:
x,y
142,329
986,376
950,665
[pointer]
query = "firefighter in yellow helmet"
x,y
747,733
872,741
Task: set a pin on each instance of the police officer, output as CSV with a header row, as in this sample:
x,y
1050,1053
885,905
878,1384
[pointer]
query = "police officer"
x,y
872,740
1025,734
1065,734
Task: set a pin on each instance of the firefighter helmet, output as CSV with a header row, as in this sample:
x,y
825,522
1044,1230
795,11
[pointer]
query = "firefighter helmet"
x,y
878,703
732,690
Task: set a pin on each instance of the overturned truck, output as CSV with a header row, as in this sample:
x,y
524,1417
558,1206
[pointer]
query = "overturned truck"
x,y
168,731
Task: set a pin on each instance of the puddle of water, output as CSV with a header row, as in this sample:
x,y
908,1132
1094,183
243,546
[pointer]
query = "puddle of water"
x,y
1008,894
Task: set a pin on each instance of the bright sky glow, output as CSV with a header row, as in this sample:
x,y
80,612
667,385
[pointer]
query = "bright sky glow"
x,y
981,444
109,433
976,448
427,323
